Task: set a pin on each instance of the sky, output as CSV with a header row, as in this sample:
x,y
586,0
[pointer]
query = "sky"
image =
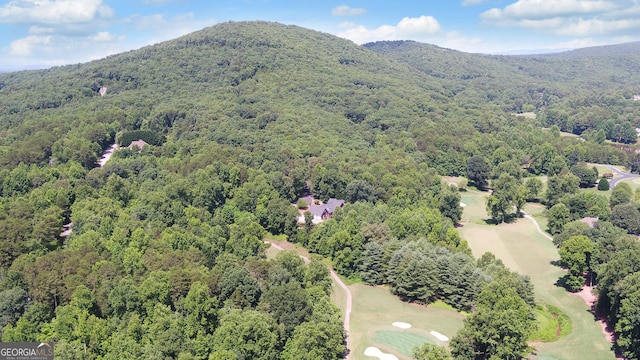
x,y
46,33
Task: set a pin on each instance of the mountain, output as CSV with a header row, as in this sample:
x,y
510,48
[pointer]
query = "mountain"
x,y
166,255
235,83
537,80
610,51
244,84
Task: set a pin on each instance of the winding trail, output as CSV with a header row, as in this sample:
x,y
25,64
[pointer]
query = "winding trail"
x,y
535,222
340,283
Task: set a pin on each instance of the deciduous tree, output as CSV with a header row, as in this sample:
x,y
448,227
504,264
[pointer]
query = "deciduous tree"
x,y
478,171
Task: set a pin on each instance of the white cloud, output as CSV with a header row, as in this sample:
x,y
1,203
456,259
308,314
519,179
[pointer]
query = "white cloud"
x,y
26,46
344,10
103,36
54,12
473,2
589,41
35,30
536,9
575,18
407,29
51,45
421,25
455,40
595,27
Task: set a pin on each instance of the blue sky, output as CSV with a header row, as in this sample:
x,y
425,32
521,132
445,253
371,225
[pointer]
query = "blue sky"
x,y
44,33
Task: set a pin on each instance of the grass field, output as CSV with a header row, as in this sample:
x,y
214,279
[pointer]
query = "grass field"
x,y
402,341
524,250
374,311
633,183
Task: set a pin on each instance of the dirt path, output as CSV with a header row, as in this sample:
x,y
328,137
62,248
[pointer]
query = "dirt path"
x,y
67,228
107,155
535,222
334,276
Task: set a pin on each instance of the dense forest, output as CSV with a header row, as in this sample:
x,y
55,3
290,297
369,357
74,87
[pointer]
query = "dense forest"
x,y
166,257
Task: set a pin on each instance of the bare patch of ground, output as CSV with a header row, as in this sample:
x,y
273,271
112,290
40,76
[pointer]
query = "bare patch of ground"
x,y
526,115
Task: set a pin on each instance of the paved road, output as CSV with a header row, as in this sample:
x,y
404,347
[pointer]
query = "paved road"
x,y
344,287
623,176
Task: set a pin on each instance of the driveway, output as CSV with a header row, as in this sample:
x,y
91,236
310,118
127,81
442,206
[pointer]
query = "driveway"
x,y
622,176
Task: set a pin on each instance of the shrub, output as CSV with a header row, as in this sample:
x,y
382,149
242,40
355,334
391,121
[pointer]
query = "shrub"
x,y
603,185
302,204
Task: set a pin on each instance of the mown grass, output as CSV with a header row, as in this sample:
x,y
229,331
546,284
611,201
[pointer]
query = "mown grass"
x,y
443,305
375,309
402,341
523,249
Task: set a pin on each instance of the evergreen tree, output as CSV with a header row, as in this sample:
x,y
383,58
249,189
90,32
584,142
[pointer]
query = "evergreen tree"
x,y
372,268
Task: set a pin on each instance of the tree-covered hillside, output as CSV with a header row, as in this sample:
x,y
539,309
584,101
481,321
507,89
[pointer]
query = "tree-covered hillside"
x,y
242,119
584,90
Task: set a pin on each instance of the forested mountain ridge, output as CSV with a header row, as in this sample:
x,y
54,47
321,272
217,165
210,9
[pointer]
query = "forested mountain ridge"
x,y
612,51
242,72
579,90
245,117
538,80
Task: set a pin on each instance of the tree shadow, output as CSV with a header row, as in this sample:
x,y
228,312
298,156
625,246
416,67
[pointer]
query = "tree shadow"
x,y
557,263
562,283
508,219
490,221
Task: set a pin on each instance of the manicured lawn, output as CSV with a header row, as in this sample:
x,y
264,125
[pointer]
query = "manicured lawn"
x,y
375,309
634,183
603,169
524,250
400,340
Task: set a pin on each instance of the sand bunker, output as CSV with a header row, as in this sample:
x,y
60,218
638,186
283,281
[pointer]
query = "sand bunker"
x,y
375,352
401,325
439,336
463,204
